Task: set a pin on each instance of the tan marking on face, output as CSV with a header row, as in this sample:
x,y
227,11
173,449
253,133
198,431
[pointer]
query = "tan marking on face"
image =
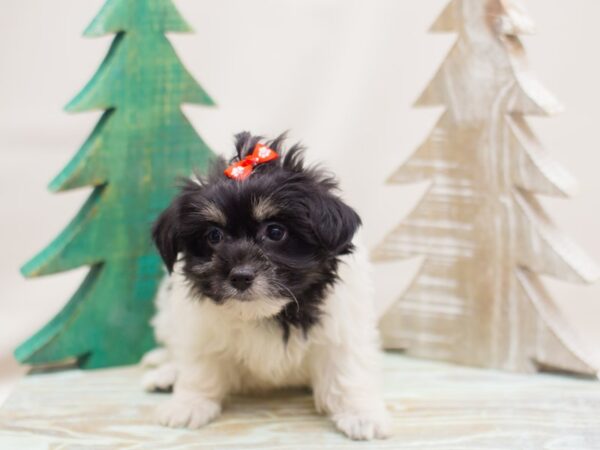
x,y
212,213
263,208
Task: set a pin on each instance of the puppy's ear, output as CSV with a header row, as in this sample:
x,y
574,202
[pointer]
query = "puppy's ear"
x,y
334,224
165,234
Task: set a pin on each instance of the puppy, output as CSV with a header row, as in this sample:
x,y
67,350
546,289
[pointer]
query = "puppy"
x,y
270,288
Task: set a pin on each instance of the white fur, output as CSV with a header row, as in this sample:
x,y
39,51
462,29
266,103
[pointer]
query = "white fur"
x,y
236,347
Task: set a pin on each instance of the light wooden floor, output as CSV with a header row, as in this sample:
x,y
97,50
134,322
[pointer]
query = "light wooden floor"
x,y
435,406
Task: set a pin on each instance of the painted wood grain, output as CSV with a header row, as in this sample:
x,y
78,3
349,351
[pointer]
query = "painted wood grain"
x,y
434,406
484,236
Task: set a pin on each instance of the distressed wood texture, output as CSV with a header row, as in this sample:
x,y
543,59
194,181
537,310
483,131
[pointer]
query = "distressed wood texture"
x,y
131,159
485,239
434,406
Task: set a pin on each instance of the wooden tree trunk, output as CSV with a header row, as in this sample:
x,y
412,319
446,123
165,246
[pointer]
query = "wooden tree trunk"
x,y
477,299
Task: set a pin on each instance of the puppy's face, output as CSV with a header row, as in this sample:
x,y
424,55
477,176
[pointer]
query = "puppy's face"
x,y
267,246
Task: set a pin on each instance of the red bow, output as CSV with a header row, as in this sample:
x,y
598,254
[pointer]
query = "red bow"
x,y
242,169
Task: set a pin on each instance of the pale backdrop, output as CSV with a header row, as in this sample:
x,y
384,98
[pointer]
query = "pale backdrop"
x,y
340,74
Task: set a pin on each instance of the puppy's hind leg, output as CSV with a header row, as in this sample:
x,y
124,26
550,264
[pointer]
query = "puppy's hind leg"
x,y
155,357
160,379
162,372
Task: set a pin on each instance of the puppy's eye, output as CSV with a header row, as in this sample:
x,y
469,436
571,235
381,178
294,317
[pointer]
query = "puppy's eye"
x,y
214,236
275,232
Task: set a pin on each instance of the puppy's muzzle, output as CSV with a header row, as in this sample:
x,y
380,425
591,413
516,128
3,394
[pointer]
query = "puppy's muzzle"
x,y
242,277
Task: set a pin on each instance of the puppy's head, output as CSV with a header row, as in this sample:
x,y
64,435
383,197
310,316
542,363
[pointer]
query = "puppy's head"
x,y
267,246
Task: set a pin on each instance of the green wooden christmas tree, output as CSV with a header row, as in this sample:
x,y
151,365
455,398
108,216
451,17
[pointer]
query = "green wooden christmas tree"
x,y
132,158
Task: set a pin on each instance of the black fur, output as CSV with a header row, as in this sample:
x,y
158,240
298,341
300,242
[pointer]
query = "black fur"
x,y
319,225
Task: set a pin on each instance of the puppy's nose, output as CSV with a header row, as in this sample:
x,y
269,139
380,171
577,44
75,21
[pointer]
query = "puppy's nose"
x,y
241,277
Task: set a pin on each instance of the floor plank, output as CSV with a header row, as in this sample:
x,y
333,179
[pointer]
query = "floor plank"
x,y
435,406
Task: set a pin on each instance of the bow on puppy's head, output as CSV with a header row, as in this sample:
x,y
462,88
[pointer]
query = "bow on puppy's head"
x,y
242,169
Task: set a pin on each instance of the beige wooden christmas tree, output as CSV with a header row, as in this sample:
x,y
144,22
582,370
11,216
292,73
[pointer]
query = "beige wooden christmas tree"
x,y
485,239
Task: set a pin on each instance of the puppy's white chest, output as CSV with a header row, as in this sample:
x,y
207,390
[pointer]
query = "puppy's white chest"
x,y
258,349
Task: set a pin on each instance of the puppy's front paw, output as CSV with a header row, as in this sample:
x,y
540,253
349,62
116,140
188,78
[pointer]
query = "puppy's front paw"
x,y
191,412
363,425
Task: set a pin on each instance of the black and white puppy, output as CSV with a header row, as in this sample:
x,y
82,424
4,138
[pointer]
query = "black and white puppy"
x,y
269,288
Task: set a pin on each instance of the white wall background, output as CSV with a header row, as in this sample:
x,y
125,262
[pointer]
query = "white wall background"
x,y
340,74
